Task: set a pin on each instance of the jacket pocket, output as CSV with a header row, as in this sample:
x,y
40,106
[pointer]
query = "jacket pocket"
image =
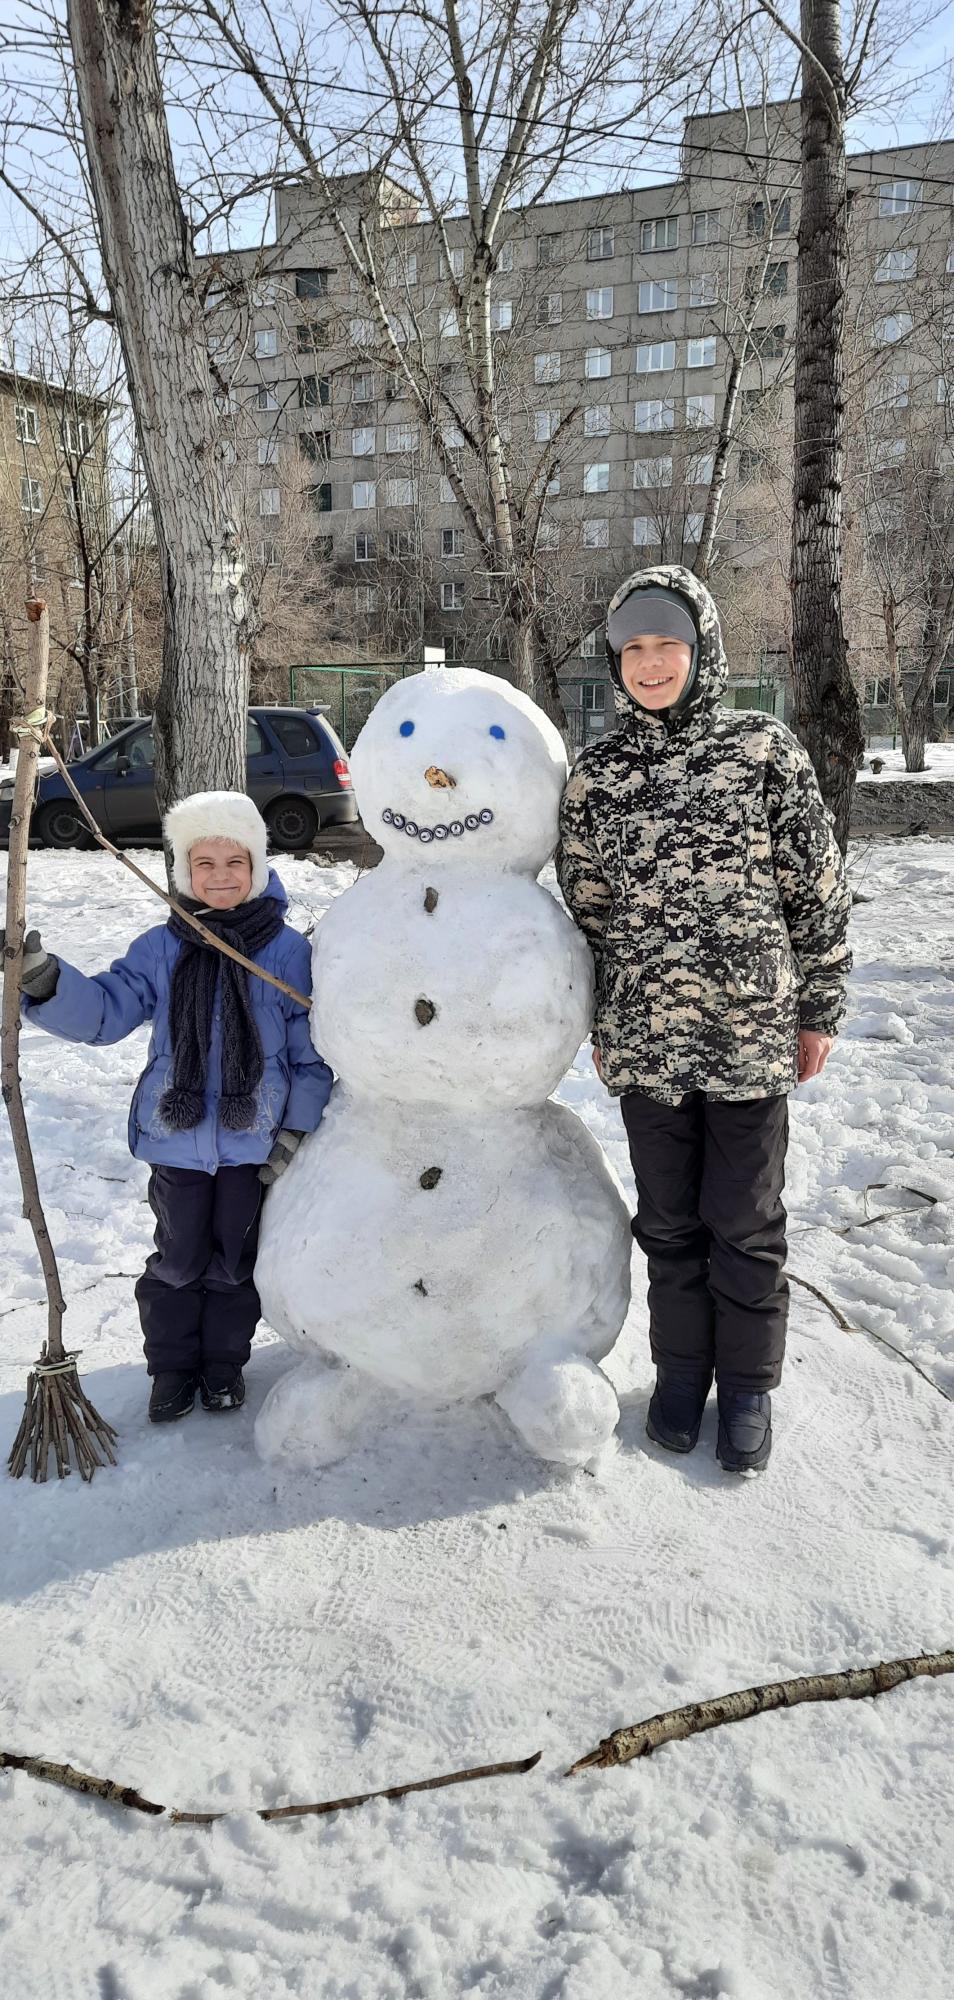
x,y
759,970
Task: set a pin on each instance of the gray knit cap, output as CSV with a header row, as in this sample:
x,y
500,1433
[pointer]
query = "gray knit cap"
x,y
650,610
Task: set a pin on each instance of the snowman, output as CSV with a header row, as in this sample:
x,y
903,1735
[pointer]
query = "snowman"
x,y
448,1232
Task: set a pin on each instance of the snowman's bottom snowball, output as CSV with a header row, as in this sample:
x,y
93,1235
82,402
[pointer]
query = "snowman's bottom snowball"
x,y
565,1411
314,1415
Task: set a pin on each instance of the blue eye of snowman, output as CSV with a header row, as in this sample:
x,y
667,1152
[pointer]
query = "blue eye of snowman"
x,y
495,730
407,729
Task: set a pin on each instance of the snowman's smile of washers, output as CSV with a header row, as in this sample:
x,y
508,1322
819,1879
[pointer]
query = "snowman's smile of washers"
x,y
452,829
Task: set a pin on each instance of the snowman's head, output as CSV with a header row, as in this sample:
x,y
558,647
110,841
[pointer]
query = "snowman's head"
x,y
462,767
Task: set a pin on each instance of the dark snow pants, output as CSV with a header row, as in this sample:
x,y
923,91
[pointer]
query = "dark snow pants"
x,y
709,1180
196,1299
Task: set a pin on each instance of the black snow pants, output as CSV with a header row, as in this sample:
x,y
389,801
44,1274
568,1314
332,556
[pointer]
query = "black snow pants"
x,y
196,1299
709,1217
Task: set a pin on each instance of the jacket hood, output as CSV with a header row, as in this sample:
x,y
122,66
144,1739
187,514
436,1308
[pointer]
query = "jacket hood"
x,y
712,670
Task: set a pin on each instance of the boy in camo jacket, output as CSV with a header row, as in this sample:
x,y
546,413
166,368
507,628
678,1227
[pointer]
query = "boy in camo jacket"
x,y
700,863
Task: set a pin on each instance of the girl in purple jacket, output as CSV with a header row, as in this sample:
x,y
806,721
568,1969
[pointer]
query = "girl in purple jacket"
x,y
231,1084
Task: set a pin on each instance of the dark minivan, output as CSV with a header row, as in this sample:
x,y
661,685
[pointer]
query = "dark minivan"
x,y
297,774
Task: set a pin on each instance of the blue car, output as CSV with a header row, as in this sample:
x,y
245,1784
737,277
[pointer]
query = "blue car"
x,y
297,773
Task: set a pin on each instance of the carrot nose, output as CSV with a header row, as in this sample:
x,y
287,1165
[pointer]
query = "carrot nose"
x,y
441,780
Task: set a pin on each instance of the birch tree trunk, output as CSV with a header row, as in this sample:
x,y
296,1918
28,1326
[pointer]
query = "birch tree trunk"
x,y
827,708
149,268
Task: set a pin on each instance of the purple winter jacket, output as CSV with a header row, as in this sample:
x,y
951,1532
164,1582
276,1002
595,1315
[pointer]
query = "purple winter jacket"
x,y
295,1085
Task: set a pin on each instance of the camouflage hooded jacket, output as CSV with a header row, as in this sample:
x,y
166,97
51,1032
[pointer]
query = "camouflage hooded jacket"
x,y
700,863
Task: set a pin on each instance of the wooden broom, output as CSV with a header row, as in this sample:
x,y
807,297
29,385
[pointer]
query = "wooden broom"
x,y
58,1415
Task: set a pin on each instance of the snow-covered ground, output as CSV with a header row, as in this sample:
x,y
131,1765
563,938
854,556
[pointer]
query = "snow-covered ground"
x,y
225,1636
938,762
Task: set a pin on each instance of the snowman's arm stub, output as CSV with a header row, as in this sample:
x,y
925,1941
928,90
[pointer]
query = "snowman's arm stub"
x,y
586,891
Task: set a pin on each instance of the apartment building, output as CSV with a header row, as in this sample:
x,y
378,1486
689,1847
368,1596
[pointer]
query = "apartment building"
x,y
625,310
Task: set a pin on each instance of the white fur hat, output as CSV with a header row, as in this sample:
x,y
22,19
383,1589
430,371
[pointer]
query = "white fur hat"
x,y
215,816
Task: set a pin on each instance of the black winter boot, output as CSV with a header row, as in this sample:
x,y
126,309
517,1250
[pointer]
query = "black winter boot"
x,y
172,1396
675,1412
222,1386
745,1430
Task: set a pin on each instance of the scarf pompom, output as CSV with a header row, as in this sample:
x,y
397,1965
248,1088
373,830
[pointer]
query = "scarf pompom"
x,y
237,1113
182,1110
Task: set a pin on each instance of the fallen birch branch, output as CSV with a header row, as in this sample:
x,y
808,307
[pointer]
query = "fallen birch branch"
x,y
229,950
125,1795
640,1739
869,1331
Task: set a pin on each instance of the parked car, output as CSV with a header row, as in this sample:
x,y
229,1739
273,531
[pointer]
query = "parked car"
x,y
297,773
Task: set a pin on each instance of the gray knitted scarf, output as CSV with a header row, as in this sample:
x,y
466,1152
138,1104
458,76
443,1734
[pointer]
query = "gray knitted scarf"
x,y
200,972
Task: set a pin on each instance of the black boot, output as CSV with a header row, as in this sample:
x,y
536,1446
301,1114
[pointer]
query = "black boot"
x,y
172,1396
675,1411
745,1430
221,1386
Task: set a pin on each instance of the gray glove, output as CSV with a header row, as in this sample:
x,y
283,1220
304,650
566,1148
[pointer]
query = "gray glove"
x,y
284,1150
41,970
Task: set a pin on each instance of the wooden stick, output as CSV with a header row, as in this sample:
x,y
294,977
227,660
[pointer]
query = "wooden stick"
x,y
640,1739
229,950
28,734
79,1781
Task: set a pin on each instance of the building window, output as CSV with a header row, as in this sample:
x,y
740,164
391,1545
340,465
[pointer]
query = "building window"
x,y
600,242
548,536
878,694
456,267
448,497
705,226
892,394
546,368
551,487
452,597
544,425
447,325
311,336
656,413
769,342
658,358
944,392
592,693
592,644
402,437
505,256
596,478
364,493
752,461
312,283
402,270
365,597
501,315
550,309
27,423
596,421
887,452
362,387
662,233
645,532
596,534
362,440
321,498
775,281
315,445
362,332
452,541
453,437
701,353
594,589
942,692
704,288
700,412
400,493
313,390
268,554
599,303
77,436
267,451
364,548
699,468
892,328
648,472
949,266
692,531
401,544
898,197
598,363
549,249
270,500
266,343
265,398
658,295
769,218
31,496
896,267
